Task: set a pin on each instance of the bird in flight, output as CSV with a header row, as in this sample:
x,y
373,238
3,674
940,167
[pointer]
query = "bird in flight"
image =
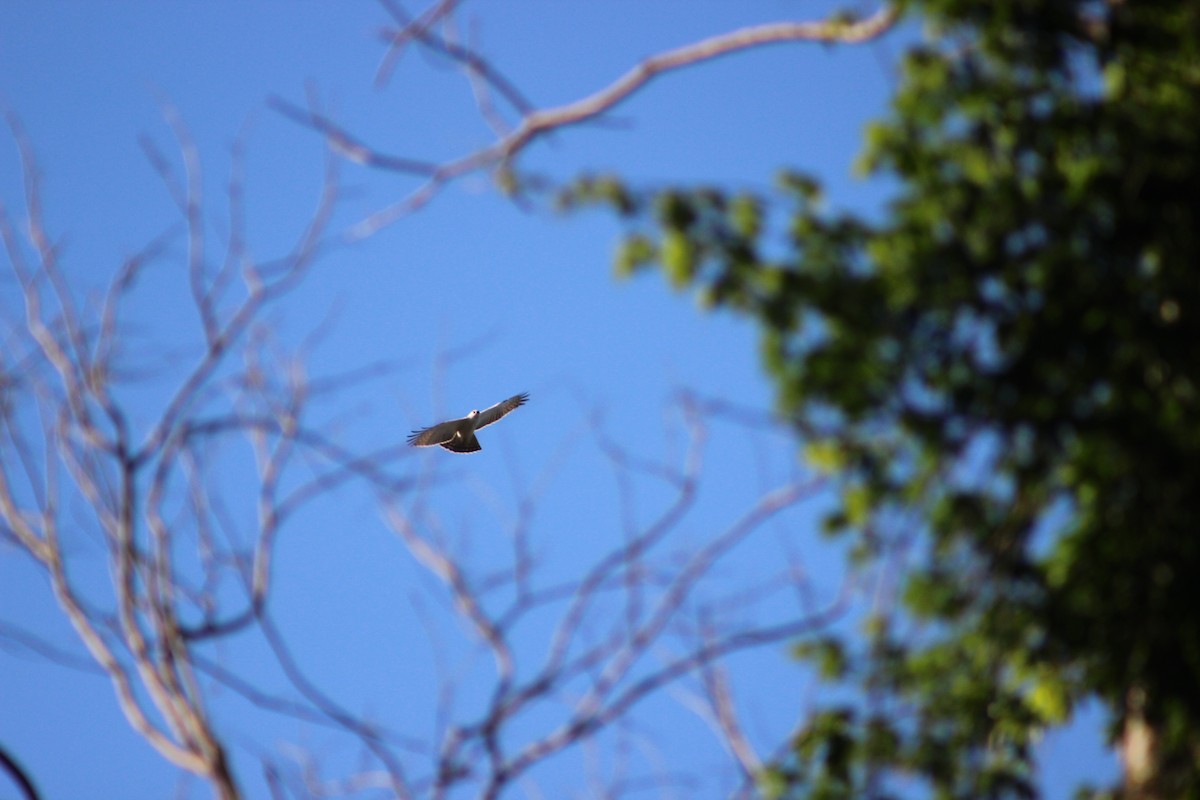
x,y
458,435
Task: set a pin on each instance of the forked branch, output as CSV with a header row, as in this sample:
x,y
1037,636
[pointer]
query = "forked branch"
x,y
532,123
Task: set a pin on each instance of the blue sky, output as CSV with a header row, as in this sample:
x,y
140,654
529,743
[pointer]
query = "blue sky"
x,y
469,300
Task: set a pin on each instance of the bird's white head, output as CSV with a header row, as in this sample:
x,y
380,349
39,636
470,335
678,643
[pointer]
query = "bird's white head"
x,y
473,414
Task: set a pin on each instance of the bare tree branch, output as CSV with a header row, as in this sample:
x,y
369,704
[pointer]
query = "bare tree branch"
x,y
534,123
19,776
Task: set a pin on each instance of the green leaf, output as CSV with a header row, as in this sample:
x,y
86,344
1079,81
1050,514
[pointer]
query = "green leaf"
x,y
825,455
636,251
1050,700
678,258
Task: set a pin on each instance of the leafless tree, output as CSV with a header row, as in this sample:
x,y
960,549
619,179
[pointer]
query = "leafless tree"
x,y
190,565
71,442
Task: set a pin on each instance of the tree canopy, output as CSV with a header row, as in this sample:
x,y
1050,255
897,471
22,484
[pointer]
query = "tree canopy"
x,y
1010,355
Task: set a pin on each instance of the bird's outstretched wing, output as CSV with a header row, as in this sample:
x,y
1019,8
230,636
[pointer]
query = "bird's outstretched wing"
x,y
490,415
435,434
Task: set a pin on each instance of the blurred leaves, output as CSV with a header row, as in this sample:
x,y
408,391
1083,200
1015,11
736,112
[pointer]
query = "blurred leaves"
x,y
1010,355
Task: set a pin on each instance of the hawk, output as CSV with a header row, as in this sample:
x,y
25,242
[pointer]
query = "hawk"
x,y
458,435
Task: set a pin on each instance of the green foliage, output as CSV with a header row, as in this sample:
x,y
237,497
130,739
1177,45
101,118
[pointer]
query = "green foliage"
x,y
1033,287
829,656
